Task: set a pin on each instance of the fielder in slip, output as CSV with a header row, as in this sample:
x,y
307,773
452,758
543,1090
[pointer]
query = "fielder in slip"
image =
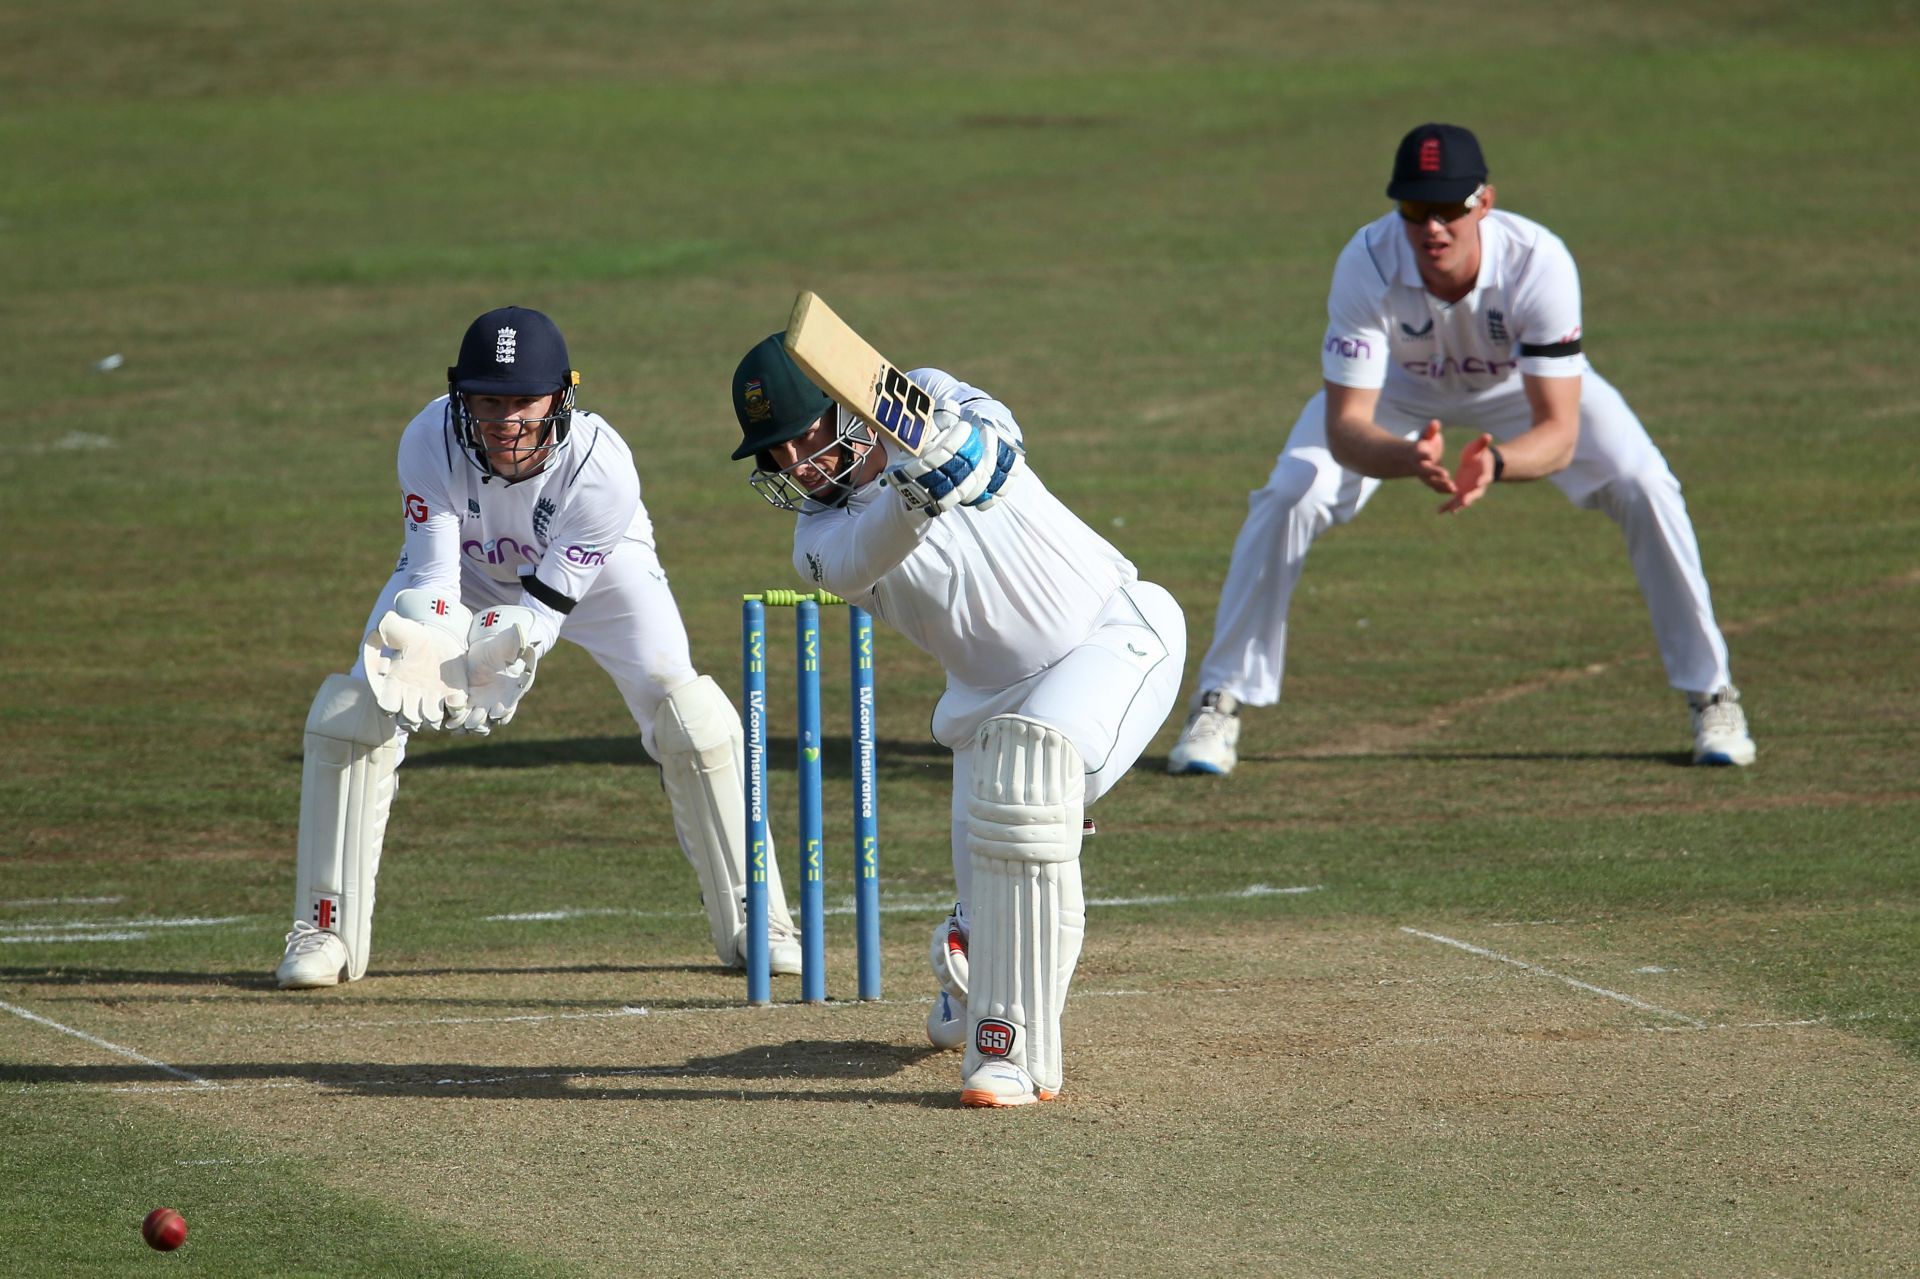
x,y
1061,665
1447,311
523,525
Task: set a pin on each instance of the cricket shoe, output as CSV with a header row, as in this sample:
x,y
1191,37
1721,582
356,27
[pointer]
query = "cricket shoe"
x,y
315,957
1720,728
783,951
947,1022
1207,744
1001,1083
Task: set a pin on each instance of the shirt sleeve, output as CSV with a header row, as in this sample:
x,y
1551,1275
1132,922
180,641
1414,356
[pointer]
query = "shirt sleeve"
x,y
432,542
1546,304
1354,352
849,549
591,526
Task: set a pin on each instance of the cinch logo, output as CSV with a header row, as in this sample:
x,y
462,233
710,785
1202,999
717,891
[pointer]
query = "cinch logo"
x,y
994,1038
902,407
499,550
416,508
1472,366
586,556
1350,348
505,345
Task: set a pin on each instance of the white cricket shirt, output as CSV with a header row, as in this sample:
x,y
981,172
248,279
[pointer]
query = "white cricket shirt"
x,y
550,533
994,596
1385,330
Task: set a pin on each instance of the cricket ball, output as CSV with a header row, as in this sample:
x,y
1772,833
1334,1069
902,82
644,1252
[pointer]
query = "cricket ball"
x,y
164,1229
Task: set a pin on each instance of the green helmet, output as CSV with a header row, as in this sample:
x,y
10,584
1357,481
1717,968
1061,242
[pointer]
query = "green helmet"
x,y
773,399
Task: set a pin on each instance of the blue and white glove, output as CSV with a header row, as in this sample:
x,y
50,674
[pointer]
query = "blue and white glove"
x,y
964,464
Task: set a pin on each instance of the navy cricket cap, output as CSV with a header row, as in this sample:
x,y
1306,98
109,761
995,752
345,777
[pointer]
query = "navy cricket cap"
x,y
773,400
1439,163
512,351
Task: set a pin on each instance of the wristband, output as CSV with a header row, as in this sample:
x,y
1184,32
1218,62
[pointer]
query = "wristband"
x,y
1499,463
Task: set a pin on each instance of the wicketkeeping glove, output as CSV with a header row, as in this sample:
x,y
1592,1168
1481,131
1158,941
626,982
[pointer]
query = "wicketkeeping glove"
x,y
415,659
499,667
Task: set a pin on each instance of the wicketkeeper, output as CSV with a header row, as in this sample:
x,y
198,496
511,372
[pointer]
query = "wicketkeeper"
x,y
523,525
1061,665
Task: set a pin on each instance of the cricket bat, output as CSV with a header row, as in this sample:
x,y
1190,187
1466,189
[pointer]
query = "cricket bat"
x,y
866,383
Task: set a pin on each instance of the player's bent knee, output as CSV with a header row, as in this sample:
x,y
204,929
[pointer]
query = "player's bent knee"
x,y
1028,791
1297,484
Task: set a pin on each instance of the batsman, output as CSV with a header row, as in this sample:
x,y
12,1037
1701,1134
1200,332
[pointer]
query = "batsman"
x,y
523,525
1061,664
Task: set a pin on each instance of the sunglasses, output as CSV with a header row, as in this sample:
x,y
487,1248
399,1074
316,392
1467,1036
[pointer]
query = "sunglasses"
x,y
1422,210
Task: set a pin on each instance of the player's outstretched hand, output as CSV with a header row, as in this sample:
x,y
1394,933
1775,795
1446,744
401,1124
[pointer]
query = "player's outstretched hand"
x,y
959,462
1473,477
415,659
1427,452
500,667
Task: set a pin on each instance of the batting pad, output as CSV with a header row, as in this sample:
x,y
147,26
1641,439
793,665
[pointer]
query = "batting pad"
x,y
1028,911
703,764
346,792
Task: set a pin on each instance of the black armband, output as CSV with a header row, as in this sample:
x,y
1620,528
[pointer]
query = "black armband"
x,y
546,594
1499,463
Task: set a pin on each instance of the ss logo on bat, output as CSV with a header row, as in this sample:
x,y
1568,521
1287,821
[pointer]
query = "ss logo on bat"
x,y
903,408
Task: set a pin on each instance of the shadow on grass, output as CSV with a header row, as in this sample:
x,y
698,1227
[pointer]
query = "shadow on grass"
x,y
361,991
429,751
1676,759
806,1065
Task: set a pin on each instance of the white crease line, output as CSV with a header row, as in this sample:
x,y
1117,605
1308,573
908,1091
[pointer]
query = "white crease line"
x,y
50,939
480,1021
84,926
110,1047
62,901
912,905
1577,984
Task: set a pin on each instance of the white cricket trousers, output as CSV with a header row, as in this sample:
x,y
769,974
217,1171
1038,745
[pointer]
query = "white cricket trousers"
x,y
1616,468
1109,696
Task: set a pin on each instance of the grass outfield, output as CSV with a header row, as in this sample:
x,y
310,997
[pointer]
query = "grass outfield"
x,y
1462,971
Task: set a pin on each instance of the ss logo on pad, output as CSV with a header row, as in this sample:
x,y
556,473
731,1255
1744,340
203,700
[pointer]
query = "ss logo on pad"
x,y
993,1037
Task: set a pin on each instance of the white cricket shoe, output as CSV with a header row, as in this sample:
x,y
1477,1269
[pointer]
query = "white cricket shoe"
x,y
947,1022
1001,1083
315,957
1207,744
1720,728
783,951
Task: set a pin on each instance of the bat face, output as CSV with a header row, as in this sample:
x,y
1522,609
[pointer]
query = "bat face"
x,y
866,383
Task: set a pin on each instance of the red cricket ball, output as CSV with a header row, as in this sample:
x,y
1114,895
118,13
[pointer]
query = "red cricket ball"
x,y
164,1229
